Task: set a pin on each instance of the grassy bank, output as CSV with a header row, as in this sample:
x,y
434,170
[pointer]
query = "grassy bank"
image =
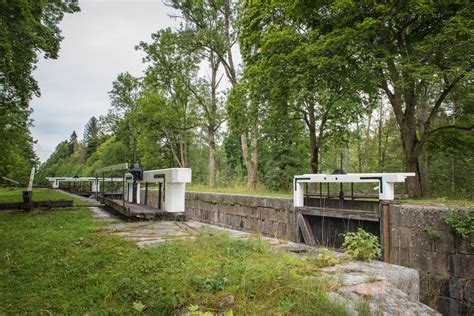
x,y
60,262
236,189
15,195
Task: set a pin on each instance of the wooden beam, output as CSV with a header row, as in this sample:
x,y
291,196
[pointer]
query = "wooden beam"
x,y
305,229
340,213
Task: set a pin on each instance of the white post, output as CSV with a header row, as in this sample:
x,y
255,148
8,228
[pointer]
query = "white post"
x,y
388,189
32,176
138,192
298,195
174,197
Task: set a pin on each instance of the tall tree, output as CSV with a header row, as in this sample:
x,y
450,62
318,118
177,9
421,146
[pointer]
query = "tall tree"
x,y
168,100
91,136
72,143
215,23
418,52
28,29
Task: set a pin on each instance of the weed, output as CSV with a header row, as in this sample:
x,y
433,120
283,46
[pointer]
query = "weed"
x,y
361,245
464,227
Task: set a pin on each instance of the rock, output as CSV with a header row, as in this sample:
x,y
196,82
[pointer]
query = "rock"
x,y
405,279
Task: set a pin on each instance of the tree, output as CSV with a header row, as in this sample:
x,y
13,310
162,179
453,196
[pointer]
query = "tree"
x,y
215,26
28,29
417,53
203,33
167,104
91,136
72,143
289,60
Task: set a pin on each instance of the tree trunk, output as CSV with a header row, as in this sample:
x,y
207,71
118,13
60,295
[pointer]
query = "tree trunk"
x,y
212,158
211,128
314,148
379,138
252,179
250,158
359,150
366,142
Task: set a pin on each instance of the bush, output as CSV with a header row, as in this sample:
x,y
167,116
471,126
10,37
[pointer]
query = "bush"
x,y
361,245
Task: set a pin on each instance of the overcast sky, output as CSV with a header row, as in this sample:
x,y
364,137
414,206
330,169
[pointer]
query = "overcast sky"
x,y
98,44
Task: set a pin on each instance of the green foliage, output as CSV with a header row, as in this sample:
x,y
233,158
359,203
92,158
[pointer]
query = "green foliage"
x,y
463,226
61,262
361,245
29,29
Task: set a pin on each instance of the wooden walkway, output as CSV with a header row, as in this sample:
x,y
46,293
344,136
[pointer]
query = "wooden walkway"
x,y
139,211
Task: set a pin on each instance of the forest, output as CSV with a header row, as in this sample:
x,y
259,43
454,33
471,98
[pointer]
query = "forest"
x,y
252,92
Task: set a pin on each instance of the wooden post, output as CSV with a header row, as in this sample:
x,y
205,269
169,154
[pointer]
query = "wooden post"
x,y
386,230
146,193
159,195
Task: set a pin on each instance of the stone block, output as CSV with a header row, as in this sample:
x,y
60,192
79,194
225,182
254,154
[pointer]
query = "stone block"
x,y
463,245
272,215
462,266
456,288
469,291
263,212
454,307
402,237
445,242
421,241
437,285
430,262
422,216
282,230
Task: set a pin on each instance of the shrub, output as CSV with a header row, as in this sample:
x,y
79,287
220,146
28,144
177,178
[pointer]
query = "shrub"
x,y
361,245
462,226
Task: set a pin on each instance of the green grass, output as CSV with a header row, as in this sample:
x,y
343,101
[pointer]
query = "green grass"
x,y
39,194
237,189
442,201
60,262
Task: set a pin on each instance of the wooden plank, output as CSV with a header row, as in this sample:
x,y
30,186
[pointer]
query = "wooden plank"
x,y
305,229
340,213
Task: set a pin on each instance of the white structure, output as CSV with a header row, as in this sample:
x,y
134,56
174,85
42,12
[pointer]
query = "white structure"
x,y
173,182
54,181
386,182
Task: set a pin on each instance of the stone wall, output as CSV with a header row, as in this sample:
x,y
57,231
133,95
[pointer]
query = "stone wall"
x,y
270,216
421,240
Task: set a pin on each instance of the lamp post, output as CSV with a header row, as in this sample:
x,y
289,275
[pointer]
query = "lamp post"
x,y
136,172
